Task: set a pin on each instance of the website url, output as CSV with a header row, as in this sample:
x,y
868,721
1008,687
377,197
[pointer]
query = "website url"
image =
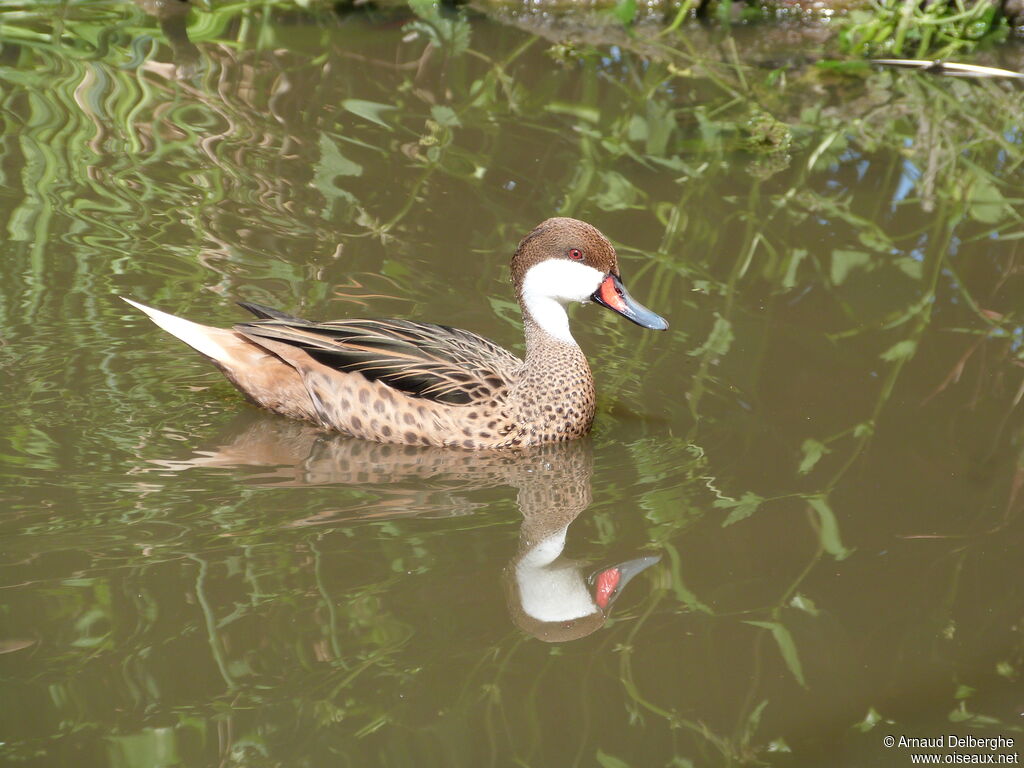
x,y
965,758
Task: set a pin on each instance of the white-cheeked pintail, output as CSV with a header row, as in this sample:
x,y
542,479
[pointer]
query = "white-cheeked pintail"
x,y
398,381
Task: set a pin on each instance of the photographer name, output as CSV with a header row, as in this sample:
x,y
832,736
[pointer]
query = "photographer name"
x,y
952,741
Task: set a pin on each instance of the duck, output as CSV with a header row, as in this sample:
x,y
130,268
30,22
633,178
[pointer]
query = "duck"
x,y
415,383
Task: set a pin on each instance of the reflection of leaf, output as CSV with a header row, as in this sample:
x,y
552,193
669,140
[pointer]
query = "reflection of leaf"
x,y
583,112
786,646
741,509
688,597
823,147
619,193
911,267
451,34
653,129
987,203
875,240
960,714
711,130
674,163
425,9
789,280
368,110
901,350
813,451
845,261
625,11
331,165
458,35
871,719
828,532
964,692
868,232
805,604
445,116
661,121
754,721
719,340
863,429
508,311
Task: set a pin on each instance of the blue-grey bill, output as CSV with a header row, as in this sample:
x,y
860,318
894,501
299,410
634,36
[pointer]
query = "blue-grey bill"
x,y
613,295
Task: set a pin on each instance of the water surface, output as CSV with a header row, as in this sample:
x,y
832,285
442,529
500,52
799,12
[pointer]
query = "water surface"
x,y
823,452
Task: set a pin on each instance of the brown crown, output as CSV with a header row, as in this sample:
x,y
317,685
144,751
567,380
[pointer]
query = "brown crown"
x,y
554,239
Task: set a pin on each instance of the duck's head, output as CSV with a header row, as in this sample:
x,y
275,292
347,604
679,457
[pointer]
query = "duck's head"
x,y
564,260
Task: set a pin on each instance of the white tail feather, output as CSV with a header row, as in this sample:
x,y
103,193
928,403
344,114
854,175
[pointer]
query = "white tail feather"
x,y
202,338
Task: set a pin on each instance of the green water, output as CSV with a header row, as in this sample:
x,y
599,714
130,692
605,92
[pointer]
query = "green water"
x,y
824,450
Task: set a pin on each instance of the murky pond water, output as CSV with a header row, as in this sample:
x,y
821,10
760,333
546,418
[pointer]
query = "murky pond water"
x,y
815,475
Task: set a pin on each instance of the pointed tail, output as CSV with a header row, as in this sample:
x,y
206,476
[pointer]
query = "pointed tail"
x,y
220,345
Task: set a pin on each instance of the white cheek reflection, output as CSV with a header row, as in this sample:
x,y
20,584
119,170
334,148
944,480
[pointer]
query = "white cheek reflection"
x,y
549,591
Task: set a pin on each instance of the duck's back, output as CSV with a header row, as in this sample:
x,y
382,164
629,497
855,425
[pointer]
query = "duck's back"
x,y
424,360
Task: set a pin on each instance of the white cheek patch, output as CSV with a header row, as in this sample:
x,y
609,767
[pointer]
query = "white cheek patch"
x,y
550,285
561,280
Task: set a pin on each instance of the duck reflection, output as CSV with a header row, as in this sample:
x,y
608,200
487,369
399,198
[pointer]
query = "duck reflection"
x,y
171,15
551,596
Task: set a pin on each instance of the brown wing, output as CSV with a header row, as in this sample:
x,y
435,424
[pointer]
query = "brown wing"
x,y
439,363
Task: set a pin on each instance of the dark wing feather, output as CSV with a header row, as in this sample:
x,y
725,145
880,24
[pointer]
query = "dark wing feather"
x,y
269,313
435,362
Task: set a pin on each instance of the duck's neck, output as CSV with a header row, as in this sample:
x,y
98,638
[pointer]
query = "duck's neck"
x,y
546,315
555,393
550,342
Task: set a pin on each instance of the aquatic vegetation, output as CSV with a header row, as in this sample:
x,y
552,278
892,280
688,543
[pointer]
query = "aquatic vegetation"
x,y
827,453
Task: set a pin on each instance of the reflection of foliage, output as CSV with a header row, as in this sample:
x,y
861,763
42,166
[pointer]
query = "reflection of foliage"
x,y
935,29
449,34
871,272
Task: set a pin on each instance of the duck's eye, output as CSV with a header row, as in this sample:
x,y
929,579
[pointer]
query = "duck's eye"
x,y
576,254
